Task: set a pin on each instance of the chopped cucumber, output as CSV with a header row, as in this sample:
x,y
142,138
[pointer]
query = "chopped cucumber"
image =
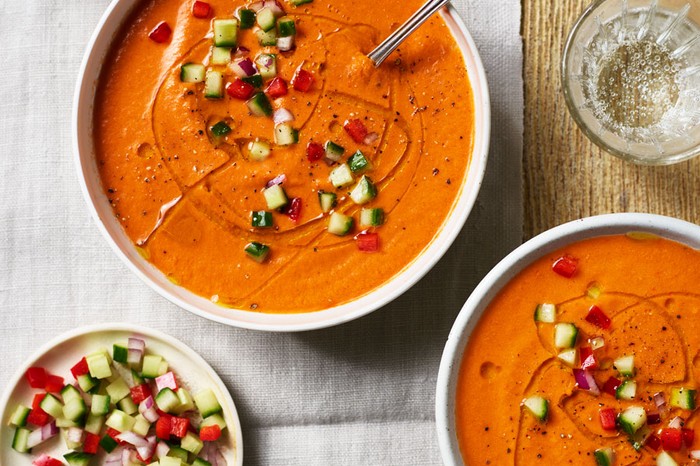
x,y
19,441
334,152
569,357
364,191
267,39
192,73
220,55
108,443
214,419
120,353
300,2
169,461
259,105
266,19
214,85
69,393
247,18
565,335
639,439
341,176
64,423
192,443
664,459
597,342
200,462
99,364
261,219
627,390
538,406
163,368
220,129
683,398
167,400
207,403
286,27
86,382
257,251
259,150
19,416
340,224
358,162
118,390
604,456
128,406
267,65
256,80
226,32
100,404
327,201
286,135
75,409
625,365
546,313
632,419
75,458
151,366
371,217
141,426
178,452
94,423
119,420
52,406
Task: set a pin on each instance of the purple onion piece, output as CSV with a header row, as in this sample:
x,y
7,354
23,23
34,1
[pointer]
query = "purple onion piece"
x,y
114,458
127,454
162,449
585,381
137,344
132,439
146,451
282,115
279,179
75,435
285,44
275,7
370,138
134,357
148,410
256,6
49,430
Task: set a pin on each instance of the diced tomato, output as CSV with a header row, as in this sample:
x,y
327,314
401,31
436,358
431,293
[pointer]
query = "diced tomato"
x,y
91,443
597,317
367,242
611,386
54,384
38,398
113,433
653,418
179,426
201,9
302,80
588,359
210,433
653,442
608,418
239,89
565,266
314,151
293,209
671,439
46,460
36,376
80,369
688,436
356,129
140,393
38,417
277,88
163,425
161,33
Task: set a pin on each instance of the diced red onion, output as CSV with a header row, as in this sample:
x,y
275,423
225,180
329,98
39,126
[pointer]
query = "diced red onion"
x,y
285,44
132,439
134,357
137,344
162,449
660,402
166,380
243,68
242,51
279,179
256,6
114,458
695,454
676,423
127,456
75,434
44,433
585,381
275,7
370,138
148,410
214,456
146,452
282,115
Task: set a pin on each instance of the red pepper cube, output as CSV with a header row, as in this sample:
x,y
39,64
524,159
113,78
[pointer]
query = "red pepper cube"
x,y
293,209
201,9
38,417
277,88
210,433
611,386
46,460
653,442
179,426
608,418
163,425
671,439
588,359
597,317
91,443
357,130
161,33
239,89
302,80
653,418
38,398
565,266
113,433
36,376
314,151
54,384
367,242
688,436
80,369
140,393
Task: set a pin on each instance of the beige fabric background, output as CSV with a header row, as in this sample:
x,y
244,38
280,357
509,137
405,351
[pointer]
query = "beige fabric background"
x,y
358,394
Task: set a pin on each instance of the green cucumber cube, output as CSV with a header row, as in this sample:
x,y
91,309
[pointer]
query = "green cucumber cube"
x,y
220,129
259,150
220,56
632,419
128,406
259,105
19,416
247,18
108,443
100,404
163,367
192,443
683,398
170,461
119,420
604,456
69,393
52,406
75,409
275,197
625,365
327,201
537,406
94,423
364,191
371,217
265,19
214,419
262,219
334,152
141,426
178,453
206,402
267,38
226,32
120,353
627,390
569,357
167,400
192,73
20,439
87,383
286,135
214,85
64,423
99,364
339,224
664,459
151,366
359,163
256,80
341,176
565,335
75,458
267,65
546,313
118,390
186,401
286,27
257,251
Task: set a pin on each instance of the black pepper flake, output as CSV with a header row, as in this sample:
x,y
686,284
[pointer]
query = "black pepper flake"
x,y
435,171
448,181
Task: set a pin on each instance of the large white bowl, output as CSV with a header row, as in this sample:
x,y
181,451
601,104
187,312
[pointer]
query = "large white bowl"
x,y
111,229
507,269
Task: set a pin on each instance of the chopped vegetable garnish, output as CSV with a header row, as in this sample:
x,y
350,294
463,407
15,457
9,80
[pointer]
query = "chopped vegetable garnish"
x,y
327,201
538,406
247,18
367,242
627,390
632,419
604,456
588,359
334,152
277,88
565,266
611,385
358,162
255,80
314,151
220,129
36,376
226,32
259,105
683,398
262,219
293,209
364,191
664,459
569,357
625,365
201,9
565,335
597,317
302,80
546,313
653,442
608,418
161,33
586,381
356,129
671,439
371,217
340,224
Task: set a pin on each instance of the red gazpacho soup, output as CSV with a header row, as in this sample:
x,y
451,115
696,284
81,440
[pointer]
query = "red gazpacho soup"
x,y
588,356
254,154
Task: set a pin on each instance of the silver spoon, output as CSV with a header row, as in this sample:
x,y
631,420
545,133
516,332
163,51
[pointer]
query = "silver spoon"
x,y
383,50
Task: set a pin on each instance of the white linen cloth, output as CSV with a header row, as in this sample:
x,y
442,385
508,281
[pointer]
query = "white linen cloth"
x,y
358,394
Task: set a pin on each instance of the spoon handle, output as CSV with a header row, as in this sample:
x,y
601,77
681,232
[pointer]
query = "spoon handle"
x,y
383,50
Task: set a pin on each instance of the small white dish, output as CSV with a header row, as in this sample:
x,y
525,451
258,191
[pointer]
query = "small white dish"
x,y
60,354
506,270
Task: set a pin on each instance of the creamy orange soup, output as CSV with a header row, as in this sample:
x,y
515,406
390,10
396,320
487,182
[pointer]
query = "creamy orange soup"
x,y
617,390
192,166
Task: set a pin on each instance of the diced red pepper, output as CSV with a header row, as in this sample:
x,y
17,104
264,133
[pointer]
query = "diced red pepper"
x,y
54,384
608,418
302,80
113,433
239,89
671,439
201,9
38,398
688,436
356,129
565,266
179,426
46,460
588,359
80,369
160,33
38,417
36,376
210,433
277,88
611,386
653,442
367,242
597,317
314,151
653,418
293,209
140,393
163,425
91,443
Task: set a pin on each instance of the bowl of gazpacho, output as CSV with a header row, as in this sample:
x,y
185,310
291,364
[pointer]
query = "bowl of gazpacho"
x,y
581,347
248,162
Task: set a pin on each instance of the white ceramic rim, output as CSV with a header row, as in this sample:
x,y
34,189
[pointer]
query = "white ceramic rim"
x,y
551,240
400,283
149,333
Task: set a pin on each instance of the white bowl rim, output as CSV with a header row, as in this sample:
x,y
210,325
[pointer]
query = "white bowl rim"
x,y
601,225
294,322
